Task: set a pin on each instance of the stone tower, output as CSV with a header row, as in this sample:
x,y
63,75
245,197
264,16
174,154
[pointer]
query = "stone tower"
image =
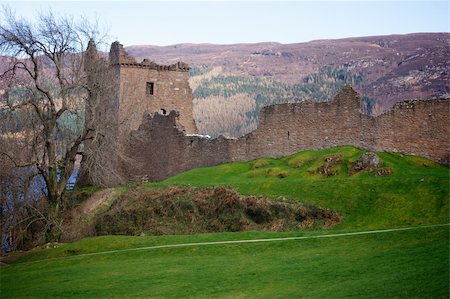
x,y
149,87
122,91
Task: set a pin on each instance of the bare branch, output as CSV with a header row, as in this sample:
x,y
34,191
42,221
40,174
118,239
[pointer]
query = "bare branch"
x,y
16,164
46,87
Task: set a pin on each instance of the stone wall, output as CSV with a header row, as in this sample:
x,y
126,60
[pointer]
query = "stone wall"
x,y
160,149
156,146
171,90
288,128
412,127
118,100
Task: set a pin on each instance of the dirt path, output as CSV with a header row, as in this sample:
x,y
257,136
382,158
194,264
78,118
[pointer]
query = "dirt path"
x,y
78,222
92,203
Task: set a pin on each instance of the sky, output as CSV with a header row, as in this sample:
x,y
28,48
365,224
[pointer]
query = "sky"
x,y
227,22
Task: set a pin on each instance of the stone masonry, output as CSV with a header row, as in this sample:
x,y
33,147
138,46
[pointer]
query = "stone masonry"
x,y
135,88
122,90
147,109
412,127
170,89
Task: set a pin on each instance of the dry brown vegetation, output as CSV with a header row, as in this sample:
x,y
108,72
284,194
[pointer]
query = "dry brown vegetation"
x,y
181,210
195,81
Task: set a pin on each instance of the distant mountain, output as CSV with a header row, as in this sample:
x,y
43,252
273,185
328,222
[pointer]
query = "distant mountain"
x,y
392,68
232,82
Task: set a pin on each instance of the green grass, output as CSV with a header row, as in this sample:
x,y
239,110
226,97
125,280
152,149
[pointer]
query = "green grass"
x,y
415,193
404,264
401,264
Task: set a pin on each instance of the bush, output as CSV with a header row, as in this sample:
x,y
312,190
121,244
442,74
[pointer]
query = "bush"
x,y
179,210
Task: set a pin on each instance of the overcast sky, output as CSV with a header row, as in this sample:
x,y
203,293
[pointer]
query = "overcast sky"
x,y
170,22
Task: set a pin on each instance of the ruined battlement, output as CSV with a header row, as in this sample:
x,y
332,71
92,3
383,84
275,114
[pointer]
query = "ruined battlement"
x,y
140,87
346,99
119,57
176,67
414,104
411,127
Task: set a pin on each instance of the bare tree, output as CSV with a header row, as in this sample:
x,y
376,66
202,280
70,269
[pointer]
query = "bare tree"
x,y
45,86
23,222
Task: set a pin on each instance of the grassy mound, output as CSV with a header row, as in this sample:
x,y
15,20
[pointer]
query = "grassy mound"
x,y
398,190
181,210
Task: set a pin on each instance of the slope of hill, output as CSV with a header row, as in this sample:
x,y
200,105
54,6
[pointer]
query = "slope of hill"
x,y
401,190
231,82
363,191
397,190
341,187
345,261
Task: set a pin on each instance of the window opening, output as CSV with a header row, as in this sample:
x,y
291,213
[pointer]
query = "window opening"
x,y
150,88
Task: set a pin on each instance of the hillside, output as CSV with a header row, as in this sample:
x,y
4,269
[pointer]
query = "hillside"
x,y
405,195
340,188
400,190
418,62
231,82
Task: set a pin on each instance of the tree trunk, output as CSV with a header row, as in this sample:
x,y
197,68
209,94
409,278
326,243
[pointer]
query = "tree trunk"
x,y
53,232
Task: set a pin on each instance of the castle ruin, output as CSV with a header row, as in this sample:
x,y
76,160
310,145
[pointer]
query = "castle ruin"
x,y
121,91
135,88
160,147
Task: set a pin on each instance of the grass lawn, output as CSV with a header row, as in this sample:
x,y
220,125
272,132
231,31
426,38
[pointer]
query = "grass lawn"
x,y
400,264
403,264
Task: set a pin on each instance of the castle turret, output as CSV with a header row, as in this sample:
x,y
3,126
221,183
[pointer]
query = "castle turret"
x,y
150,87
118,55
90,56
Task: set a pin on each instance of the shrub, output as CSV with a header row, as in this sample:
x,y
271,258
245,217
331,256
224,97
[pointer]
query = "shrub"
x,y
178,210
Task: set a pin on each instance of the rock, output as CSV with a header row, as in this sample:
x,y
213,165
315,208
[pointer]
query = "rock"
x,y
327,168
383,172
368,160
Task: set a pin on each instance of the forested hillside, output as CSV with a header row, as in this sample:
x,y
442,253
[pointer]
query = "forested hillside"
x,y
230,105
231,82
